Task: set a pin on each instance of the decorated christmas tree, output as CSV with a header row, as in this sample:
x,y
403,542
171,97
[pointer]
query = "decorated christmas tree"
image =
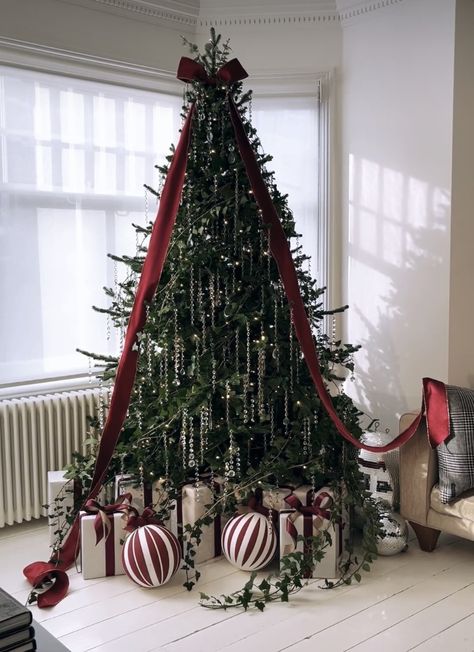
x,y
211,382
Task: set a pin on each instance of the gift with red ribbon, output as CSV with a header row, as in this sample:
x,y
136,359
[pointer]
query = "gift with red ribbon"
x,y
103,529
308,521
193,506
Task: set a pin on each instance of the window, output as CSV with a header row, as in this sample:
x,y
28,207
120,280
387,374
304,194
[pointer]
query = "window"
x,y
74,155
288,128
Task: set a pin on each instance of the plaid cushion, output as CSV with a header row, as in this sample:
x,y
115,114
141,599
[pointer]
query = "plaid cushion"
x,y
456,453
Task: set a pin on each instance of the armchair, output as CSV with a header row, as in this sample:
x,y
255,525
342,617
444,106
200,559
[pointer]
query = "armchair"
x,y
420,503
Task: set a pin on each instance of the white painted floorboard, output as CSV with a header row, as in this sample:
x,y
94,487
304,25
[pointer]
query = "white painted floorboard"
x,y
413,601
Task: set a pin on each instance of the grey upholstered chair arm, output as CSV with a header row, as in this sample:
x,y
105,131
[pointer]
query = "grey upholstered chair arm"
x,y
418,473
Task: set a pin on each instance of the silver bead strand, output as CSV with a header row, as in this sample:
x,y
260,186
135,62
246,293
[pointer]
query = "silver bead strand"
x,y
183,439
191,457
271,408
177,348
286,420
213,367
237,358
212,298
101,405
236,209
291,351
191,295
165,372
260,378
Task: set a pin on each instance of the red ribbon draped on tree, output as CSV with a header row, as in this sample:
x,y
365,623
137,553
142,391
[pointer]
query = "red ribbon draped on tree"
x,y
435,398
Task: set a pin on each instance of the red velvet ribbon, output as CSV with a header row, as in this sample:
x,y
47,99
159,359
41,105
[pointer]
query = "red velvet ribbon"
x,y
190,70
315,509
42,571
103,525
231,72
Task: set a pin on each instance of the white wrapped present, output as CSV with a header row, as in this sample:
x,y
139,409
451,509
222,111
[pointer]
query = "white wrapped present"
x,y
308,521
192,507
102,536
61,493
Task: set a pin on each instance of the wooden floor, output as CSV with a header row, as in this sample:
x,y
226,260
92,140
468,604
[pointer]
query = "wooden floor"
x,y
412,601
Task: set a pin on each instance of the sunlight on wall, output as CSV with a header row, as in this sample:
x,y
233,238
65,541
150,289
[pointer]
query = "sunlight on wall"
x,y
398,239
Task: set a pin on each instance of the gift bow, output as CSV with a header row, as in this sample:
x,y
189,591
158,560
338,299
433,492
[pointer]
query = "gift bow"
x,y
102,525
318,509
136,520
190,70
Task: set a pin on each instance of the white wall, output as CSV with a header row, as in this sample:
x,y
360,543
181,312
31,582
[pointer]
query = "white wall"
x,y
396,134
461,309
284,48
97,32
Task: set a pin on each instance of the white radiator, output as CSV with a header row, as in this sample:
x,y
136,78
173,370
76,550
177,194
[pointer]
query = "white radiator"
x,y
39,434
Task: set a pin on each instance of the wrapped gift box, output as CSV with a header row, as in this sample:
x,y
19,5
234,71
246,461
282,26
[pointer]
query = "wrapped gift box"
x,y
60,502
66,490
192,507
294,523
103,558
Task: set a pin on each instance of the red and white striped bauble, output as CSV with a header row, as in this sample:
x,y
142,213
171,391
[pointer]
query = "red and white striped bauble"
x,y
151,555
249,541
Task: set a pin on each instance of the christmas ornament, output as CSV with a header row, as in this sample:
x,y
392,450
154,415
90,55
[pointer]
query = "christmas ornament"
x,y
377,479
151,555
249,541
394,538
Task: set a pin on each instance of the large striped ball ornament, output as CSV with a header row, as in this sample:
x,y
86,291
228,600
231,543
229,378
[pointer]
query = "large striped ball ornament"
x,y
151,555
249,541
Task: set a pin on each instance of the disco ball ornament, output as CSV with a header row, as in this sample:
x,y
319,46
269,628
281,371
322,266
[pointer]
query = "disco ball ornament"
x,y
394,538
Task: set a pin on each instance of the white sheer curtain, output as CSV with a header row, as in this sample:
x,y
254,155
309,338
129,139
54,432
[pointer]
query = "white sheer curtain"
x,y
288,128
73,159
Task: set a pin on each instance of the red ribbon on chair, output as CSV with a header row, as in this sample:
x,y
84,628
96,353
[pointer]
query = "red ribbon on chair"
x,y
231,72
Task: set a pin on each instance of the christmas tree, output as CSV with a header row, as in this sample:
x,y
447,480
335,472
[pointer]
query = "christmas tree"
x,y
221,385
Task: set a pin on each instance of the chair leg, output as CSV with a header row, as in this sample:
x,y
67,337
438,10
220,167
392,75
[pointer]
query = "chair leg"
x,y
427,536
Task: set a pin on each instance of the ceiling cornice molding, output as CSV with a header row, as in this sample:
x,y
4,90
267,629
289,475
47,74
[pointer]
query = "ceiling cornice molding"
x,y
267,19
351,11
176,15
187,15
